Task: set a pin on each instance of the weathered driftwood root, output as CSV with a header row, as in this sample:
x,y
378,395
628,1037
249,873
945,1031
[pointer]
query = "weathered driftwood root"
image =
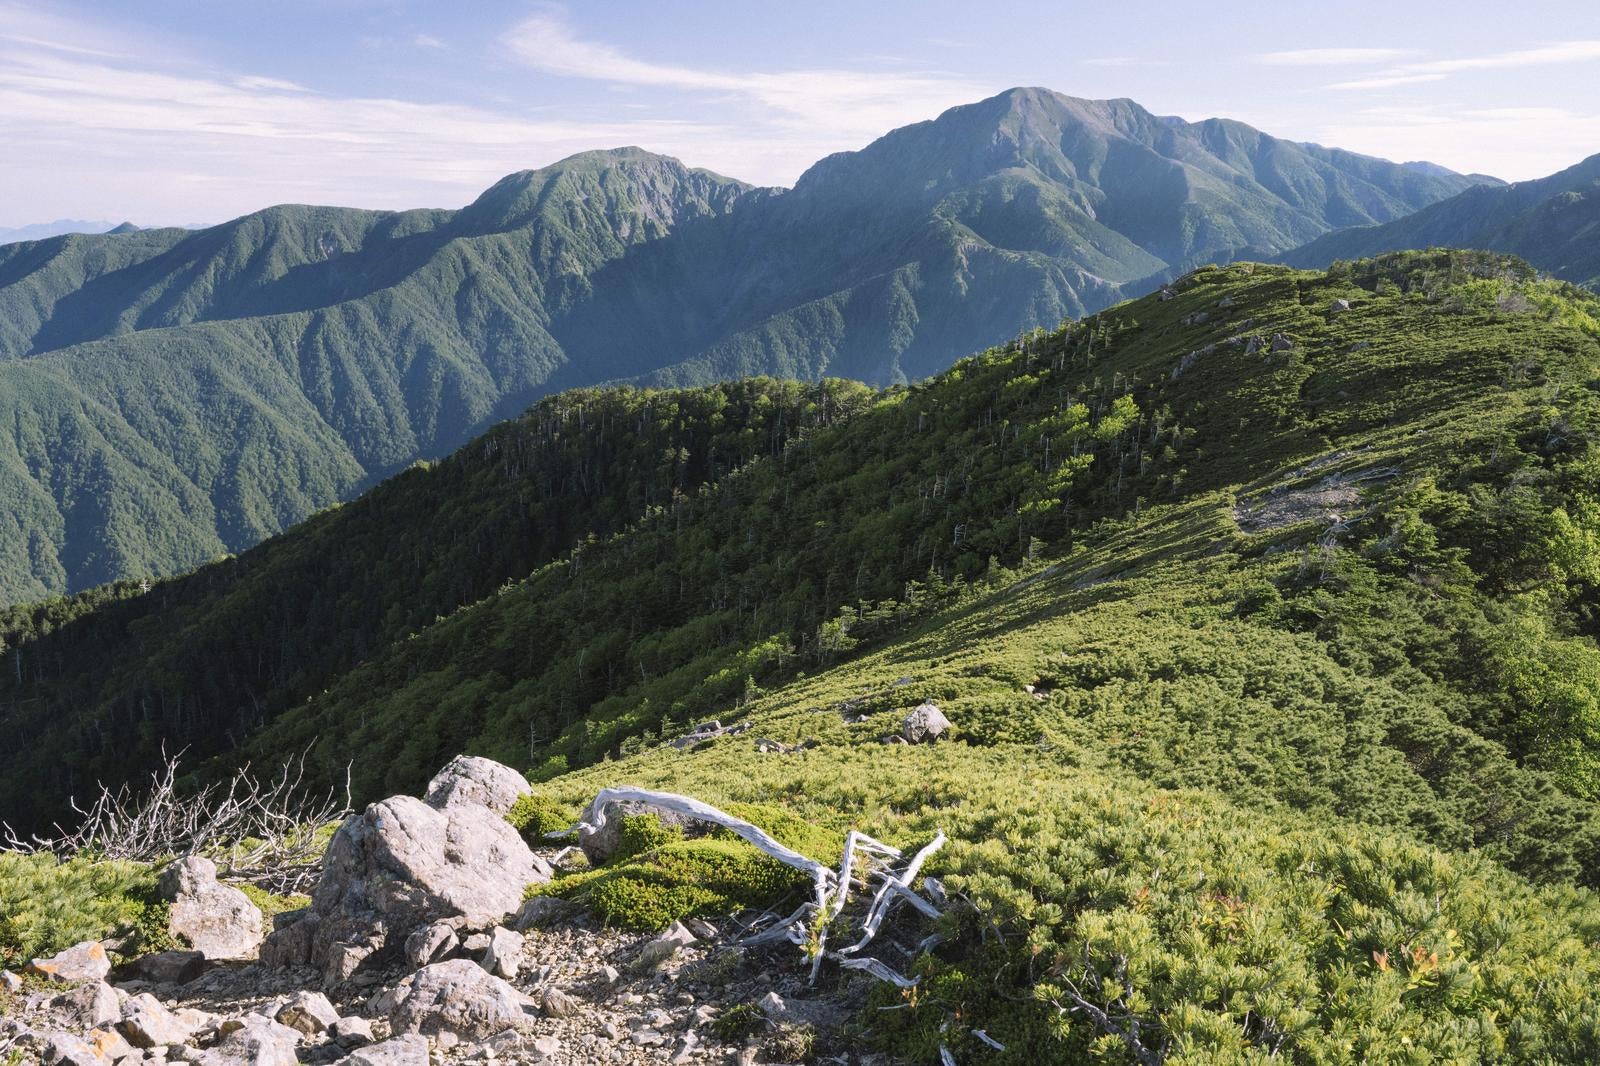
x,y
808,926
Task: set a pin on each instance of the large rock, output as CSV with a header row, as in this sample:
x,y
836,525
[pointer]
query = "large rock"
x,y
924,725
163,968
504,953
472,780
599,845
146,1023
457,1000
399,865
91,1005
407,1050
308,1012
217,920
254,1040
87,961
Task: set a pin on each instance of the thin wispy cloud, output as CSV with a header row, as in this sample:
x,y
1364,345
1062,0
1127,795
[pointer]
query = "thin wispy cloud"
x,y
1333,57
1411,73
1124,62
1385,81
839,102
428,40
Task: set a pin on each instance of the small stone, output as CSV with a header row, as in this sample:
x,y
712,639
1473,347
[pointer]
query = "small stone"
x,y
773,1006
430,943
504,953
541,911
407,1050
557,1004
65,1049
351,1032
1281,342
308,1012
545,1047
10,982
647,1037
611,1031
473,943
702,928
87,961
610,975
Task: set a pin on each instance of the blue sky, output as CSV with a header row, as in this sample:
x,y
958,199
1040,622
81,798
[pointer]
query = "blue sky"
x,y
181,111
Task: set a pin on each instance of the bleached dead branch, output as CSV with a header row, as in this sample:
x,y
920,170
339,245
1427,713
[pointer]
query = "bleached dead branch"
x,y
832,889
260,830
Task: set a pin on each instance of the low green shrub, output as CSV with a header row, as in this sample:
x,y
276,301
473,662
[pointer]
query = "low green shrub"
x,y
535,815
651,889
47,905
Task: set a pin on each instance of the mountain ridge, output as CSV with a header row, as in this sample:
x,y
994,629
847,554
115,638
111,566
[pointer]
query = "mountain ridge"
x,y
176,395
1553,222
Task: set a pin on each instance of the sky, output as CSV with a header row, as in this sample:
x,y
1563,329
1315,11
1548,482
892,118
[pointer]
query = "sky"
x,y
175,112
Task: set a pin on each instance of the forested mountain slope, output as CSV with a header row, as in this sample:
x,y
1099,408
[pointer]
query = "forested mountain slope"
x,y
172,395
1553,223
1263,608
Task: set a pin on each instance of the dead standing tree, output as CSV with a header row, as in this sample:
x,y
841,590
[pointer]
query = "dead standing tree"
x,y
262,830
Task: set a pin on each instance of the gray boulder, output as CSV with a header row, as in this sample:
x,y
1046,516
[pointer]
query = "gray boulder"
x,y
217,920
407,1050
457,1000
924,725
351,1032
399,865
87,961
473,780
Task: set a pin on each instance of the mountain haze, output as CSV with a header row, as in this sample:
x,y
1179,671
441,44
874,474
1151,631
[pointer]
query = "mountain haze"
x,y
172,395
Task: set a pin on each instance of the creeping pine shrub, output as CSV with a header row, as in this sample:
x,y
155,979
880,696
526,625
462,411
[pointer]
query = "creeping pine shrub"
x,y
47,905
534,815
738,1024
656,878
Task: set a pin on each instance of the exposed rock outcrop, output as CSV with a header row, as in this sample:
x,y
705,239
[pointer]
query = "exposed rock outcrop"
x,y
403,864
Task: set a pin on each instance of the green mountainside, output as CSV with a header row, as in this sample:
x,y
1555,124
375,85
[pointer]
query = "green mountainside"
x,y
1264,609
170,396
1553,223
